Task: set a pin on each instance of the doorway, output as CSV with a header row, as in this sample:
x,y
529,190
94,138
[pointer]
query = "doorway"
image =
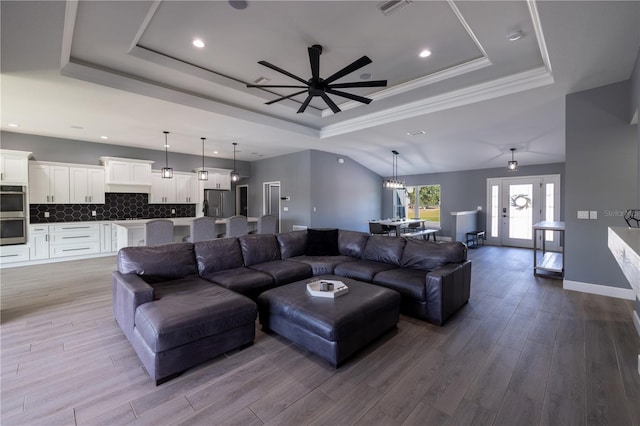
x,y
515,204
242,200
271,203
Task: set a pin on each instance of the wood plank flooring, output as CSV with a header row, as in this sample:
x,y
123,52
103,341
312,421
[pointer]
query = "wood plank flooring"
x,y
523,351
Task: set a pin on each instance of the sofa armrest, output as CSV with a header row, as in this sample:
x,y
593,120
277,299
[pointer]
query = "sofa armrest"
x,y
447,289
129,291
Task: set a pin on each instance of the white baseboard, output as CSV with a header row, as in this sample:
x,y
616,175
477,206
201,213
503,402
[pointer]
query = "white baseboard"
x,y
636,322
602,290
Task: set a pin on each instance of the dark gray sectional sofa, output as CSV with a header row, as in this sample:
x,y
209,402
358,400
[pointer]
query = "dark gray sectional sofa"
x,y
182,304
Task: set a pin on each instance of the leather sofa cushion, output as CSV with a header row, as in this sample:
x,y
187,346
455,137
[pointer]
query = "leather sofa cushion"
x,y
292,243
284,271
361,270
384,249
158,263
259,248
201,310
352,243
218,255
427,256
322,265
246,281
410,283
322,242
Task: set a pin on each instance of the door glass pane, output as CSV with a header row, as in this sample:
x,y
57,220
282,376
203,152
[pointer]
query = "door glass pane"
x,y
520,211
495,207
549,197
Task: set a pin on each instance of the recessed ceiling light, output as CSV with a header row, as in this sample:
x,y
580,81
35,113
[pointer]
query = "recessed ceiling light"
x,y
13,125
425,53
238,4
416,133
166,145
515,35
261,80
198,43
77,127
215,152
365,76
104,137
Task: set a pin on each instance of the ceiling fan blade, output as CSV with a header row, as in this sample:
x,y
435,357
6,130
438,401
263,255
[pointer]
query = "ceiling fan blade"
x,y
331,104
276,85
349,96
314,59
280,70
305,104
357,64
286,97
373,83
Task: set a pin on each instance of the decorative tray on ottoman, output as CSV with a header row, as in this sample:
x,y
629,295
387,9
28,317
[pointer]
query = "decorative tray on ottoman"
x,y
327,288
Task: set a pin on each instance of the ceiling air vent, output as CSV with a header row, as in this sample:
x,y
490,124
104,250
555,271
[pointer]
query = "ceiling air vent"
x,y
392,6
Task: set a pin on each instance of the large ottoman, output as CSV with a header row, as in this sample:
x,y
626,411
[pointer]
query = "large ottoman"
x,y
336,328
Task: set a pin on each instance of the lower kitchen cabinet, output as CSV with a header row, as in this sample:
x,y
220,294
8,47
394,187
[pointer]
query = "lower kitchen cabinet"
x,y
73,240
14,253
38,242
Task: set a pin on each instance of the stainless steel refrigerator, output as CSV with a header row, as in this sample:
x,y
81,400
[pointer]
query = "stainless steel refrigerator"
x,y
218,203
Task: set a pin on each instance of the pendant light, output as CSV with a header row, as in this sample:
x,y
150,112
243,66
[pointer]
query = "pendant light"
x,y
203,174
512,165
235,177
167,172
394,183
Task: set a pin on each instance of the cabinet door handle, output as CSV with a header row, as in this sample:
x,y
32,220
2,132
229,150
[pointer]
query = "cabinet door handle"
x,y
52,198
46,237
47,198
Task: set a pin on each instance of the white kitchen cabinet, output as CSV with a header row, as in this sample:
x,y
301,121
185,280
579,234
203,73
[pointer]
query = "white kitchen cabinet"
x,y
16,253
38,242
218,179
48,183
74,239
186,188
127,175
106,238
86,185
14,167
163,191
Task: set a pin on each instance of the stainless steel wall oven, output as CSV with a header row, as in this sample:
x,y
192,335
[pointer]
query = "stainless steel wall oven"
x,y
13,215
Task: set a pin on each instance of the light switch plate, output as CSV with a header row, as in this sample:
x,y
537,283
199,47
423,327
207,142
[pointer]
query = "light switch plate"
x,y
583,214
286,209
593,214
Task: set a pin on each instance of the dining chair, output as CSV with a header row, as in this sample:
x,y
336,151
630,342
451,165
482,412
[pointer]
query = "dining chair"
x,y
158,231
267,224
202,229
236,226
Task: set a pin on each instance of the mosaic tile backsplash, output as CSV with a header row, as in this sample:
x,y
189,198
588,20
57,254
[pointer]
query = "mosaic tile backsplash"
x,y
117,206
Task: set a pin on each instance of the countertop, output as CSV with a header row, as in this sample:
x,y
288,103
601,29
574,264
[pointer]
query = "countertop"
x,y
624,243
134,223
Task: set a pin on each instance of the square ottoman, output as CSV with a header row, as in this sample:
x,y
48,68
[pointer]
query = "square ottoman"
x,y
333,329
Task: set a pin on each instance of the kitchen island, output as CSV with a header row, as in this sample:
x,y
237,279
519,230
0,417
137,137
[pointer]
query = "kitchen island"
x,y
130,233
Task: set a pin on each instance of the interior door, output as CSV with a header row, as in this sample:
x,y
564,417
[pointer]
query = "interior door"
x,y
242,200
515,204
272,201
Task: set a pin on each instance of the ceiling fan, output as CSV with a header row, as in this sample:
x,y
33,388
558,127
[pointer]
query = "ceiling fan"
x,y
317,86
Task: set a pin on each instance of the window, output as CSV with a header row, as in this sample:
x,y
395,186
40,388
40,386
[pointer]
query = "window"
x,y
423,202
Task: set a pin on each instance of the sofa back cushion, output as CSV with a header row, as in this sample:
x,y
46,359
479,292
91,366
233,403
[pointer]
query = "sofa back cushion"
x,y
158,263
292,243
259,248
322,242
381,248
218,255
428,255
352,243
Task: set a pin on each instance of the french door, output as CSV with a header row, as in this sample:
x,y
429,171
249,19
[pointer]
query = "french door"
x,y
515,204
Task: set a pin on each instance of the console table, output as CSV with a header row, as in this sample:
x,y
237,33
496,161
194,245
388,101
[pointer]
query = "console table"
x,y
551,265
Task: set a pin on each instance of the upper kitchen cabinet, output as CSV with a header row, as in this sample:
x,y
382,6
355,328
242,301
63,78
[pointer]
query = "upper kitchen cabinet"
x,y
86,185
186,188
48,183
163,191
218,179
127,175
14,167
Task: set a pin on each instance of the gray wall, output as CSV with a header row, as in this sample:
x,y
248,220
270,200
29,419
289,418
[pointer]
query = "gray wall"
x,y
635,108
602,175
466,190
46,148
345,195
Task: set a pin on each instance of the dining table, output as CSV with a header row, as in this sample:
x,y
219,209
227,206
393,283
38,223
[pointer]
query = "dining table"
x,y
399,224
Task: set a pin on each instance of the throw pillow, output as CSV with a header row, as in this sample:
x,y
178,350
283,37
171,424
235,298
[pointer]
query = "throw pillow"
x,y
322,242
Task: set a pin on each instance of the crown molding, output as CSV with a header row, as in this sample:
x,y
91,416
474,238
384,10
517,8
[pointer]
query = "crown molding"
x,y
526,80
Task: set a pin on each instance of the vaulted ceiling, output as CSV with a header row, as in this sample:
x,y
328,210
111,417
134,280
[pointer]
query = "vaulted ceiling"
x,y
128,70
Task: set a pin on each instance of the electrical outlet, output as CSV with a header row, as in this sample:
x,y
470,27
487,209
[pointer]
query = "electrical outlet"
x,y
479,208
286,209
583,214
46,214
173,211
93,213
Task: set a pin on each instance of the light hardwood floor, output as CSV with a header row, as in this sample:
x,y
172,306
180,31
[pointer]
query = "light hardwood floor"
x,y
523,351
